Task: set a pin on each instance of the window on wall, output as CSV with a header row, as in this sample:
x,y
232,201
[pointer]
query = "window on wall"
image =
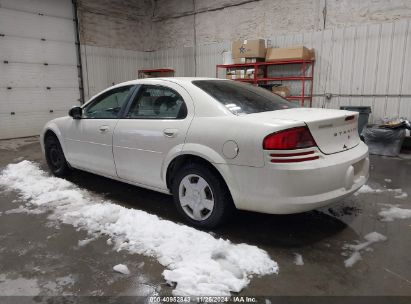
x,y
109,104
157,102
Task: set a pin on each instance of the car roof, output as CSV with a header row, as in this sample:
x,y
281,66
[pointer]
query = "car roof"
x,y
178,80
202,98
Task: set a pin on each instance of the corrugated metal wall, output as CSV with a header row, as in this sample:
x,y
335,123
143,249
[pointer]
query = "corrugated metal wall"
x,y
103,67
365,65
181,60
208,56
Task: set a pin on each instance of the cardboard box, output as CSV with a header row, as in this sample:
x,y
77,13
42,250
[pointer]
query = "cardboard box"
x,y
252,71
247,60
240,73
283,91
291,53
238,60
243,73
248,49
251,76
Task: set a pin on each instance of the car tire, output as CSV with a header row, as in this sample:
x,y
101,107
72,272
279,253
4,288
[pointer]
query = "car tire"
x,y
55,158
209,186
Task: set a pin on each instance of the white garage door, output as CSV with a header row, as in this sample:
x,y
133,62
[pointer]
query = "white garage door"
x,y
38,64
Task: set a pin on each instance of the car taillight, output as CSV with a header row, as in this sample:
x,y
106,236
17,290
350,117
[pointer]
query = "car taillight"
x,y
290,139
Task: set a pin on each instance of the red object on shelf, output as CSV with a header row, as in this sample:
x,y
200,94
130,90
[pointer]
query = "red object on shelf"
x,y
156,73
302,77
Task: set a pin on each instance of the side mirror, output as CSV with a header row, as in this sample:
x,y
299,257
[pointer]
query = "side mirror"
x,y
76,112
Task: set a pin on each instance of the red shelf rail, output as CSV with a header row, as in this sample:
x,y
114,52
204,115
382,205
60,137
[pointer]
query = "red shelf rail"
x,y
160,72
156,70
303,77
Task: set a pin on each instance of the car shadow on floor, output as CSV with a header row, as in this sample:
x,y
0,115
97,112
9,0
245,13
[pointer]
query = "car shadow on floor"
x,y
293,230
243,227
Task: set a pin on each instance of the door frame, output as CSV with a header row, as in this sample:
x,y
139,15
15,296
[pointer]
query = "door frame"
x,y
189,103
134,89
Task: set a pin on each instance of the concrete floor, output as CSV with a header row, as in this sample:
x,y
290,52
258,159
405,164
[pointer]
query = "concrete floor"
x,y
38,258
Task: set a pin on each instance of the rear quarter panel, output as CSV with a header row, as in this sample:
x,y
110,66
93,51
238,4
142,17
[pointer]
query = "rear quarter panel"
x,y
208,135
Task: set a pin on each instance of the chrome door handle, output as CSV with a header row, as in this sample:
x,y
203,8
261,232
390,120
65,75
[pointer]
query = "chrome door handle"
x,y
170,132
103,128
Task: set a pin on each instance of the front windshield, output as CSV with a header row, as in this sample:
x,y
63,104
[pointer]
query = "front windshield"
x,y
241,98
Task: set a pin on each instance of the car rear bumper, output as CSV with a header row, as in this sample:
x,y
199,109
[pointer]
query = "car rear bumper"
x,y
298,187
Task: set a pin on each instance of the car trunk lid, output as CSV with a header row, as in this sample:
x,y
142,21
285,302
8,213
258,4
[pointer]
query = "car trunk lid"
x,y
333,130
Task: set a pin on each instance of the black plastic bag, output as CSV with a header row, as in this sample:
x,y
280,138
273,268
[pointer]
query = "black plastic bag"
x,y
383,141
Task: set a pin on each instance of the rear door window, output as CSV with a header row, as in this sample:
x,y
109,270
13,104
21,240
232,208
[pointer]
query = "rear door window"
x,y
157,102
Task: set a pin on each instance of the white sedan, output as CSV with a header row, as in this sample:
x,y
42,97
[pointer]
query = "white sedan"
x,y
214,144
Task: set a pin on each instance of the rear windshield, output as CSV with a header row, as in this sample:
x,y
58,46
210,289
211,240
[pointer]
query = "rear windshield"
x,y
241,98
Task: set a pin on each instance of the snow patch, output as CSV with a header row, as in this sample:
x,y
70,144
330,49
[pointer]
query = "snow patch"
x,y
197,262
22,209
121,268
367,189
356,249
85,242
402,195
388,215
298,259
374,237
354,258
395,191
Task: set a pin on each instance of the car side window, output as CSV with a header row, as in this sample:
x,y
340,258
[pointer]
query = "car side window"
x,y
157,102
107,105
